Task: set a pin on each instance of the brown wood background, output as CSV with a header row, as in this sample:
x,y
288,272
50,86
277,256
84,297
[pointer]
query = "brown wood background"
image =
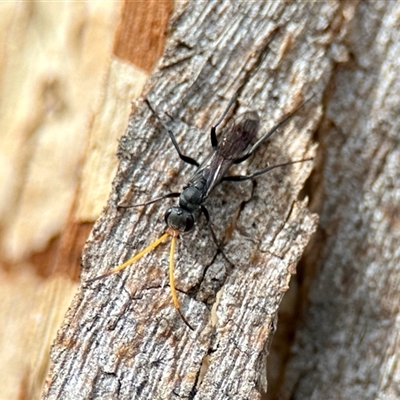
x,y
65,102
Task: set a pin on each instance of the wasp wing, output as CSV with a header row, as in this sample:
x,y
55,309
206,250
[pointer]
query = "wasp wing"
x,y
237,137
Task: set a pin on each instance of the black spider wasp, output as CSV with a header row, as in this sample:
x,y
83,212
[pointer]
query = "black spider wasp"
x,y
234,147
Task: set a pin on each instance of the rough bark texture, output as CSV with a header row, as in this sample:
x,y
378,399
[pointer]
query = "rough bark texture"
x,y
347,344
121,337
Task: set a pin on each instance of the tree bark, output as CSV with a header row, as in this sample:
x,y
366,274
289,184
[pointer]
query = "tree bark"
x,y
347,339
121,337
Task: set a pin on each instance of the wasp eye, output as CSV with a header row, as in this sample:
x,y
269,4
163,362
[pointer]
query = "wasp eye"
x,y
179,218
189,222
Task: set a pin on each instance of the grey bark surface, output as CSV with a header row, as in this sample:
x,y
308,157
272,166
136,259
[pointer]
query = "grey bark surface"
x,y
122,338
347,345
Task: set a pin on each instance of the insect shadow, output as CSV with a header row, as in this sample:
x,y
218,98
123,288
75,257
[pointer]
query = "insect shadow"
x,y
235,146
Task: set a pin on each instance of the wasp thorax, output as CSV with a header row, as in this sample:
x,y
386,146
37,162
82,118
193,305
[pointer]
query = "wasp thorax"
x,y
180,219
191,198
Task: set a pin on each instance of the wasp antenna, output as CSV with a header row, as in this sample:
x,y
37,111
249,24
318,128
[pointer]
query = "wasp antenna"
x,y
165,196
174,295
132,260
185,320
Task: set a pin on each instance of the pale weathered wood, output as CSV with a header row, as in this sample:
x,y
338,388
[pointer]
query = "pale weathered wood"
x,y
138,45
121,337
52,60
347,345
